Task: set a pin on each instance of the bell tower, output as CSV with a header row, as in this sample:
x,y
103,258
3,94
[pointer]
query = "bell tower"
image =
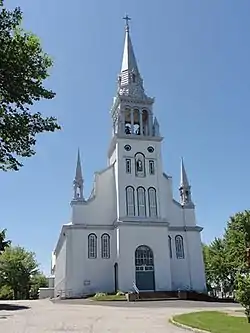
x,y
132,108
135,148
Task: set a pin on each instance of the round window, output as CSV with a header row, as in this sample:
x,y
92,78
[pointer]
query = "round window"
x,y
127,147
150,149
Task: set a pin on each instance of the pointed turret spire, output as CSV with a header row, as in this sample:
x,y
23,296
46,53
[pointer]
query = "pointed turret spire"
x,y
78,181
185,188
184,180
156,128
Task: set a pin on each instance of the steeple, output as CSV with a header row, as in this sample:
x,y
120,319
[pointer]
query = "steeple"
x,y
185,188
128,61
130,82
132,109
78,181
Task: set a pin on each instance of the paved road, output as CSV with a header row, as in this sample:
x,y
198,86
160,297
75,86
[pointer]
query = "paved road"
x,y
81,316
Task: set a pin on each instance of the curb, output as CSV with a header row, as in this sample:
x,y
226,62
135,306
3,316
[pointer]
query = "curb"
x,y
189,328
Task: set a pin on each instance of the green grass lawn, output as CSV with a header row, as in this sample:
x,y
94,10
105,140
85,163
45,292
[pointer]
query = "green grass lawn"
x,y
109,298
215,322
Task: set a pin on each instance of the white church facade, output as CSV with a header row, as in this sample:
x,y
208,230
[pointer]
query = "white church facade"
x,y
131,229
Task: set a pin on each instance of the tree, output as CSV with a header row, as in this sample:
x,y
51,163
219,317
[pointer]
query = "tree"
x,y
37,281
16,268
226,257
6,292
3,242
243,293
237,240
217,269
208,268
23,68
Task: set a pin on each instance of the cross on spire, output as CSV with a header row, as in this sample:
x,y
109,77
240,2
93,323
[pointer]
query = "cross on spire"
x,y
127,19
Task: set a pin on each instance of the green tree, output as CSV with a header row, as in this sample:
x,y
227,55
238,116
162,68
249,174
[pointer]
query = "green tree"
x,y
216,267
208,268
16,268
3,242
237,239
38,280
23,68
243,293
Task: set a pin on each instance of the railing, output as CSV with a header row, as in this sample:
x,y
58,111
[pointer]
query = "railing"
x,y
136,290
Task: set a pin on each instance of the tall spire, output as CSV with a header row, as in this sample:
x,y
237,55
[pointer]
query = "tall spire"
x,y
128,61
185,188
78,181
130,82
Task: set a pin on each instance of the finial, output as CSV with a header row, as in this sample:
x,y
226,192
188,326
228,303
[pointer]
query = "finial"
x,y
127,19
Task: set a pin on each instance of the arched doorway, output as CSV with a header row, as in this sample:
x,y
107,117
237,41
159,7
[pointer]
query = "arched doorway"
x,y
144,268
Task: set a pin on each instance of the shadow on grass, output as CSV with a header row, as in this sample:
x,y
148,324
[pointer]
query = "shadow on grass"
x,y
12,307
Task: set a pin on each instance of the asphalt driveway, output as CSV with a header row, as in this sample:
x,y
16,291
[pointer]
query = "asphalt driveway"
x,y
94,317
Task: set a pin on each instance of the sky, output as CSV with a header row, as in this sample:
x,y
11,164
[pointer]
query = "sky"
x,y
194,58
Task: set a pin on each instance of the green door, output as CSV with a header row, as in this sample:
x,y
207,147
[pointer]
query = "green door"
x,y
144,268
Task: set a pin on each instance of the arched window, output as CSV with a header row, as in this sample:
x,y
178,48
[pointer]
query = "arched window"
x,y
140,165
152,200
127,121
144,258
145,122
92,246
130,201
141,202
105,246
137,130
179,247
170,247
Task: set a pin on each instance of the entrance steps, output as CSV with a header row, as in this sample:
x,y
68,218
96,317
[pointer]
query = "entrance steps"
x,y
169,295
152,296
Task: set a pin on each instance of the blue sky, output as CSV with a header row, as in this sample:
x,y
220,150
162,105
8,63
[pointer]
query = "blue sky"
x,y
194,58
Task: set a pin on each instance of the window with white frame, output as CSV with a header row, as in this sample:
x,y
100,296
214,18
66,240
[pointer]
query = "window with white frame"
x,y
128,165
170,246
151,167
130,201
141,201
152,200
92,246
179,247
105,246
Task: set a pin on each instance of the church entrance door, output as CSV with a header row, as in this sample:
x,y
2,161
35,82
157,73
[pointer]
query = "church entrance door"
x,y
144,268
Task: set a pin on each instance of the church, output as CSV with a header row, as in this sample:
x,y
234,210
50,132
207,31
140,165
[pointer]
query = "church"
x,y
130,232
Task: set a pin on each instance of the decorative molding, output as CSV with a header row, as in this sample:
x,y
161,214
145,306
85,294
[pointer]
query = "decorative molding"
x,y
185,228
177,203
167,176
90,226
140,137
137,221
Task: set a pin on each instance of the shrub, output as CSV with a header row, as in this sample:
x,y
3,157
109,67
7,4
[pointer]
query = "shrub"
x,y
100,295
6,293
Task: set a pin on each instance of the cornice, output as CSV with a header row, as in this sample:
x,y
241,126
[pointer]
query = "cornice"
x,y
89,226
186,228
140,137
131,221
